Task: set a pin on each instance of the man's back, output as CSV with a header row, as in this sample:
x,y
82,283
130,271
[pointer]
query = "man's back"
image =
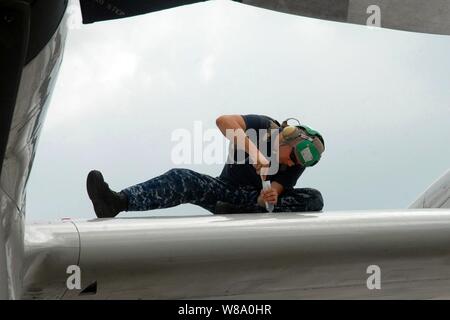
x,y
244,174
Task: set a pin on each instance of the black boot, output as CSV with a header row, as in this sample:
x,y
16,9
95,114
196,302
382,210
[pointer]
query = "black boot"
x,y
107,203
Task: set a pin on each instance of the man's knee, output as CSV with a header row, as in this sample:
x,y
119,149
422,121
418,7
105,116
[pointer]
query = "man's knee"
x,y
188,179
177,172
181,174
179,178
308,199
316,200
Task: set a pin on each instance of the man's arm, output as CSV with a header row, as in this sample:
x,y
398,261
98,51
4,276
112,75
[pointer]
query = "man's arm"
x,y
234,126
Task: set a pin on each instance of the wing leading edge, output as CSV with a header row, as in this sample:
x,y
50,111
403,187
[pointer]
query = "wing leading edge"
x,y
257,256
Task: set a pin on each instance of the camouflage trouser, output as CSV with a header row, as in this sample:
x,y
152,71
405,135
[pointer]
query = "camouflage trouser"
x,y
178,186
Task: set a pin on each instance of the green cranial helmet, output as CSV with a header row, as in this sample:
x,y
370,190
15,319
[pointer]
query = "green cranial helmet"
x,y
308,144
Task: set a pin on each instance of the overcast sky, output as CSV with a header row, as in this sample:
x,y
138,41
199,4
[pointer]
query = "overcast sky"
x,y
380,98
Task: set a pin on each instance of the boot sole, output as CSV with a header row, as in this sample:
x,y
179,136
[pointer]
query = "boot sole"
x,y
94,184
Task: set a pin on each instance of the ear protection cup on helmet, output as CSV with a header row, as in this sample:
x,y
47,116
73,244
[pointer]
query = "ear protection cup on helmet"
x,y
306,151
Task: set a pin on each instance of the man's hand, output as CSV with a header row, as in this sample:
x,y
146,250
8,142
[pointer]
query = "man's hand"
x,y
270,196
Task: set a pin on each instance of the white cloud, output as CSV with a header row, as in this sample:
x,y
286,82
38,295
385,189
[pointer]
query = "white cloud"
x,y
125,85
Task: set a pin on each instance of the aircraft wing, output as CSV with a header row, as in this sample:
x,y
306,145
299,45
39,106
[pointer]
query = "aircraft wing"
x,y
432,16
94,11
435,196
247,256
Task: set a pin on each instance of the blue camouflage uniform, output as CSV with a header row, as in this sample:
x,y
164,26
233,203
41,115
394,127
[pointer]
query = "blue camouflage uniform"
x,y
235,191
